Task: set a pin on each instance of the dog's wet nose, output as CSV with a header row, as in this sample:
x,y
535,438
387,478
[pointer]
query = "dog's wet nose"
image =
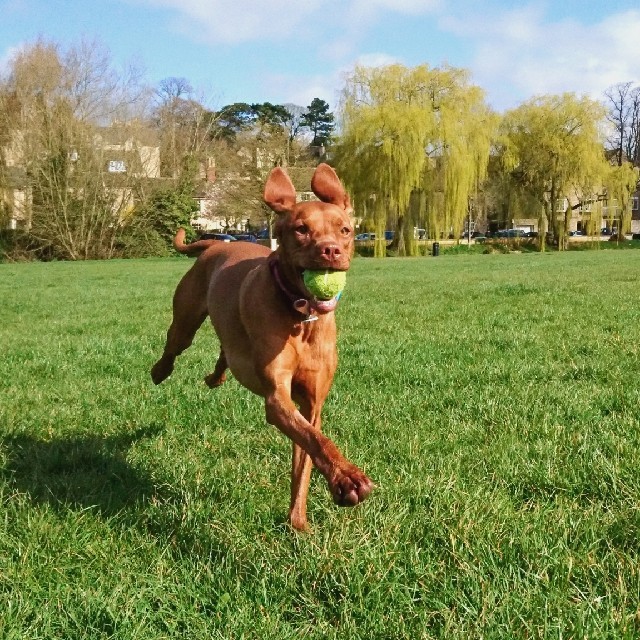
x,y
331,252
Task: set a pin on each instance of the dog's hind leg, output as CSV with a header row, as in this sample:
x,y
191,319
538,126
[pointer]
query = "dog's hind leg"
x,y
218,376
189,312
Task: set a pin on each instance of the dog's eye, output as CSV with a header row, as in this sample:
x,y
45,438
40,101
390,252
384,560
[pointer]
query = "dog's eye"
x,y
302,229
345,231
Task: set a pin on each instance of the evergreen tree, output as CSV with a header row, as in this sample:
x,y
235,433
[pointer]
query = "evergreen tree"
x,y
320,122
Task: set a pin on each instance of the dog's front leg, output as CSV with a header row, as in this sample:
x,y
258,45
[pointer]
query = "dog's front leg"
x,y
348,484
301,468
300,477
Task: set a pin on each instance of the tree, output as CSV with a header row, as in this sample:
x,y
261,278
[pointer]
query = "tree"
x,y
623,101
270,120
184,126
295,123
53,105
551,146
237,191
166,211
415,144
296,131
620,182
320,121
232,120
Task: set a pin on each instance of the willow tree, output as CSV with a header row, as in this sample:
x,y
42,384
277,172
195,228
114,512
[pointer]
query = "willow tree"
x,y
620,183
415,143
553,146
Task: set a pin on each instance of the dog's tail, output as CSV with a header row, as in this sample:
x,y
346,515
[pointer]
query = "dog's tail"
x,y
193,248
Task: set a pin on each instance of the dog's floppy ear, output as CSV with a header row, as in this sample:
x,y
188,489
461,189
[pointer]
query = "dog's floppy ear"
x,y
279,192
327,186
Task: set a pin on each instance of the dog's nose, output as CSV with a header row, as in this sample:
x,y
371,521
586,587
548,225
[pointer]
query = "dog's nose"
x,y
331,252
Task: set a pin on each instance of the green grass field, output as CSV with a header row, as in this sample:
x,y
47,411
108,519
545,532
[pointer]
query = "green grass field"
x,y
493,398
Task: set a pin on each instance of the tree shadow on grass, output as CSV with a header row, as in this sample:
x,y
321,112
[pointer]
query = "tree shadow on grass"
x,y
78,473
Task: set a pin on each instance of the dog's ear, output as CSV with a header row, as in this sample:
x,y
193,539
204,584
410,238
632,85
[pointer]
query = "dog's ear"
x,y
327,186
279,192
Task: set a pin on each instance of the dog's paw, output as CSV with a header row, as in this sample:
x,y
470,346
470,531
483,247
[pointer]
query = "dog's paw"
x,y
350,486
161,370
214,380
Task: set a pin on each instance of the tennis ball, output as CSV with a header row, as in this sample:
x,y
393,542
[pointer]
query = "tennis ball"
x,y
324,284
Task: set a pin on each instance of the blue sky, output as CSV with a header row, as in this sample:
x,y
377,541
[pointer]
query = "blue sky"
x,y
290,51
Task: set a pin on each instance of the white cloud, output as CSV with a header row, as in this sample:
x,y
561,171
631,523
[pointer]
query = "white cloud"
x,y
521,54
513,53
405,6
376,60
361,11
301,90
233,22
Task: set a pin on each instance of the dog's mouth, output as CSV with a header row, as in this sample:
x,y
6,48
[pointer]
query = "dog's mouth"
x,y
325,306
322,303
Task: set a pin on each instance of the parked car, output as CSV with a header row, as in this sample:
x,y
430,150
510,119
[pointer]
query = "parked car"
x,y
246,237
389,235
364,237
263,234
510,233
225,237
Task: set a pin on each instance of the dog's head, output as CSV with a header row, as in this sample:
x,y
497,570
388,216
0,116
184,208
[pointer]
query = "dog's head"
x,y
313,234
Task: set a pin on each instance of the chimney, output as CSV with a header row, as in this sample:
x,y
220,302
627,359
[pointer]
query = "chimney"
x,y
211,169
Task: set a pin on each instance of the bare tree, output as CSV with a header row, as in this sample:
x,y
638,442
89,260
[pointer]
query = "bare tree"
x,y
53,110
623,104
184,126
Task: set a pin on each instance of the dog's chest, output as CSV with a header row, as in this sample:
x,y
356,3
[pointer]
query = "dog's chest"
x,y
315,345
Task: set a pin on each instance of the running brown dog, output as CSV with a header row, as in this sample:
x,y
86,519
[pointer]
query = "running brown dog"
x,y
277,340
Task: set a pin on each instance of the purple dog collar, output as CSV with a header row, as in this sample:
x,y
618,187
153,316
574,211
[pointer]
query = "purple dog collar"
x,y
308,307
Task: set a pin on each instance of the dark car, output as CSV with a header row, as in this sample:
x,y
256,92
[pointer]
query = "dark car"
x,y
246,237
225,237
510,233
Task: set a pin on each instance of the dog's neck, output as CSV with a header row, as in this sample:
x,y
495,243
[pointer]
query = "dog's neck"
x,y
299,302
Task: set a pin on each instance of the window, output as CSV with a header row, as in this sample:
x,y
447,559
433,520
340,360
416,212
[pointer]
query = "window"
x,y
635,203
117,166
561,205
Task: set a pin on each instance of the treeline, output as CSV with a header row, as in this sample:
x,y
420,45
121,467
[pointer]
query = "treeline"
x,y
95,163
420,147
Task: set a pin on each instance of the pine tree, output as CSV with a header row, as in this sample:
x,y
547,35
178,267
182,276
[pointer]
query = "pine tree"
x,y
320,122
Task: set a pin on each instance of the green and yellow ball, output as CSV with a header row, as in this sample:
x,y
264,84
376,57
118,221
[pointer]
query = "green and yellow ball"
x,y
324,284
